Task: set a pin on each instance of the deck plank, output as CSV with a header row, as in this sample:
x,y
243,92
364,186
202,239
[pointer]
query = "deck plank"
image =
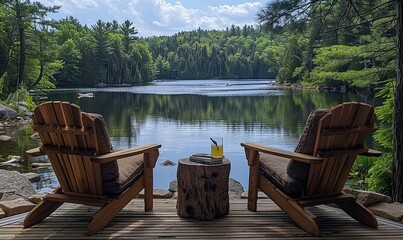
x,y
269,222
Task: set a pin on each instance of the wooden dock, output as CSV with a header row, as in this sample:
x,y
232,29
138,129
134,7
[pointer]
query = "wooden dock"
x,y
269,222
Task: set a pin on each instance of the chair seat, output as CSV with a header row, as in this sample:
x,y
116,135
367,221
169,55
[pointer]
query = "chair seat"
x,y
130,169
275,169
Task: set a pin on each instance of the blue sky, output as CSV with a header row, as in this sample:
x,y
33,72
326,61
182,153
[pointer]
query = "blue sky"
x,y
162,17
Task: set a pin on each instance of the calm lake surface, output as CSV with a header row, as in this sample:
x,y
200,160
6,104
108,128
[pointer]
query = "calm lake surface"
x,y
183,115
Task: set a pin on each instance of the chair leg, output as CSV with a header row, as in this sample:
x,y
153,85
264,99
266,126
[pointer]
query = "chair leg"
x,y
253,187
148,189
358,212
40,212
303,219
106,214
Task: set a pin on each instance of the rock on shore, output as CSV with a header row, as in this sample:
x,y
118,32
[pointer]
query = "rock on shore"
x,y
10,118
7,113
15,190
14,185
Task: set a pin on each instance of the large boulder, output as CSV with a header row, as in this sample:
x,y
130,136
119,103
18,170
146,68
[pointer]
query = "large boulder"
x,y
157,193
22,107
14,185
32,177
173,186
260,195
7,113
368,198
235,188
16,206
392,211
167,163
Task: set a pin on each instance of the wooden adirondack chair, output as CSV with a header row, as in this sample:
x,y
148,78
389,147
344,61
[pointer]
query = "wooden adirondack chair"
x,y
89,171
316,172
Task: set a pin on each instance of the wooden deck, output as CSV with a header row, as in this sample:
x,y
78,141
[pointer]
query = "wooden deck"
x,y
269,222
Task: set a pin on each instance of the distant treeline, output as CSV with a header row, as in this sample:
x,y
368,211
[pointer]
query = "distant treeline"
x,y
203,54
38,53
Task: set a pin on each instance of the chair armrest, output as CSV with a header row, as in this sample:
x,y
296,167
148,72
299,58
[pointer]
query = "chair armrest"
x,y
300,157
371,153
35,152
150,149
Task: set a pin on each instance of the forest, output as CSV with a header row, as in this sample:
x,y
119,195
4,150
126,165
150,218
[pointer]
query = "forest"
x,y
37,53
313,43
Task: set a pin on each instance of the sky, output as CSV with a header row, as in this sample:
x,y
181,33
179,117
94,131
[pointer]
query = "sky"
x,y
162,17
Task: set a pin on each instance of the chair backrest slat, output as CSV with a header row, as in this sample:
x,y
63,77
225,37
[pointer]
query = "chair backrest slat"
x,y
69,139
344,131
340,138
62,129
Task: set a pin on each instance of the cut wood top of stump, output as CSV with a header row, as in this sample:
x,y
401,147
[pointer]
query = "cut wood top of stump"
x,y
186,161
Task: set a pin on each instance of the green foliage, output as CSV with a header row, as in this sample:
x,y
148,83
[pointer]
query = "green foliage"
x,y
128,31
202,54
381,175
26,47
2,80
344,43
270,54
372,174
71,56
291,59
21,95
384,112
381,178
360,172
106,53
318,51
343,65
347,44
48,81
162,67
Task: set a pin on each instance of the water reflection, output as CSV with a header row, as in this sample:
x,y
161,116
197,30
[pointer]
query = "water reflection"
x,y
182,115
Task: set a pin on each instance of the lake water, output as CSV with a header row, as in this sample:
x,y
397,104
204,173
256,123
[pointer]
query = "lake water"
x,y
183,115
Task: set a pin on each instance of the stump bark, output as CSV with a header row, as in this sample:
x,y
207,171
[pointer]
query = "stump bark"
x,y
202,189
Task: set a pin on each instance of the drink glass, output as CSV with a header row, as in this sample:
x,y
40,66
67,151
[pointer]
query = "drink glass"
x,y
217,149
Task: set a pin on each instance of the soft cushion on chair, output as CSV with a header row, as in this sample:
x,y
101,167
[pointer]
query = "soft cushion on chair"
x,y
306,144
130,168
109,170
104,142
274,168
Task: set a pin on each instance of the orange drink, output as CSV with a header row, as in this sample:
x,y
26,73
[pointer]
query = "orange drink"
x,y
217,148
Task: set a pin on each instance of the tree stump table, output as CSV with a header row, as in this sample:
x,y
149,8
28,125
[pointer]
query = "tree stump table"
x,y
202,189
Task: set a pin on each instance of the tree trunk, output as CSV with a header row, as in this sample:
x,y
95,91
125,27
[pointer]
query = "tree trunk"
x,y
397,165
22,45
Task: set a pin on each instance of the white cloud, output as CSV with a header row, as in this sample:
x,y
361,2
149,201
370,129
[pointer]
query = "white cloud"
x,y
114,6
161,17
234,10
70,6
208,22
84,4
158,17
